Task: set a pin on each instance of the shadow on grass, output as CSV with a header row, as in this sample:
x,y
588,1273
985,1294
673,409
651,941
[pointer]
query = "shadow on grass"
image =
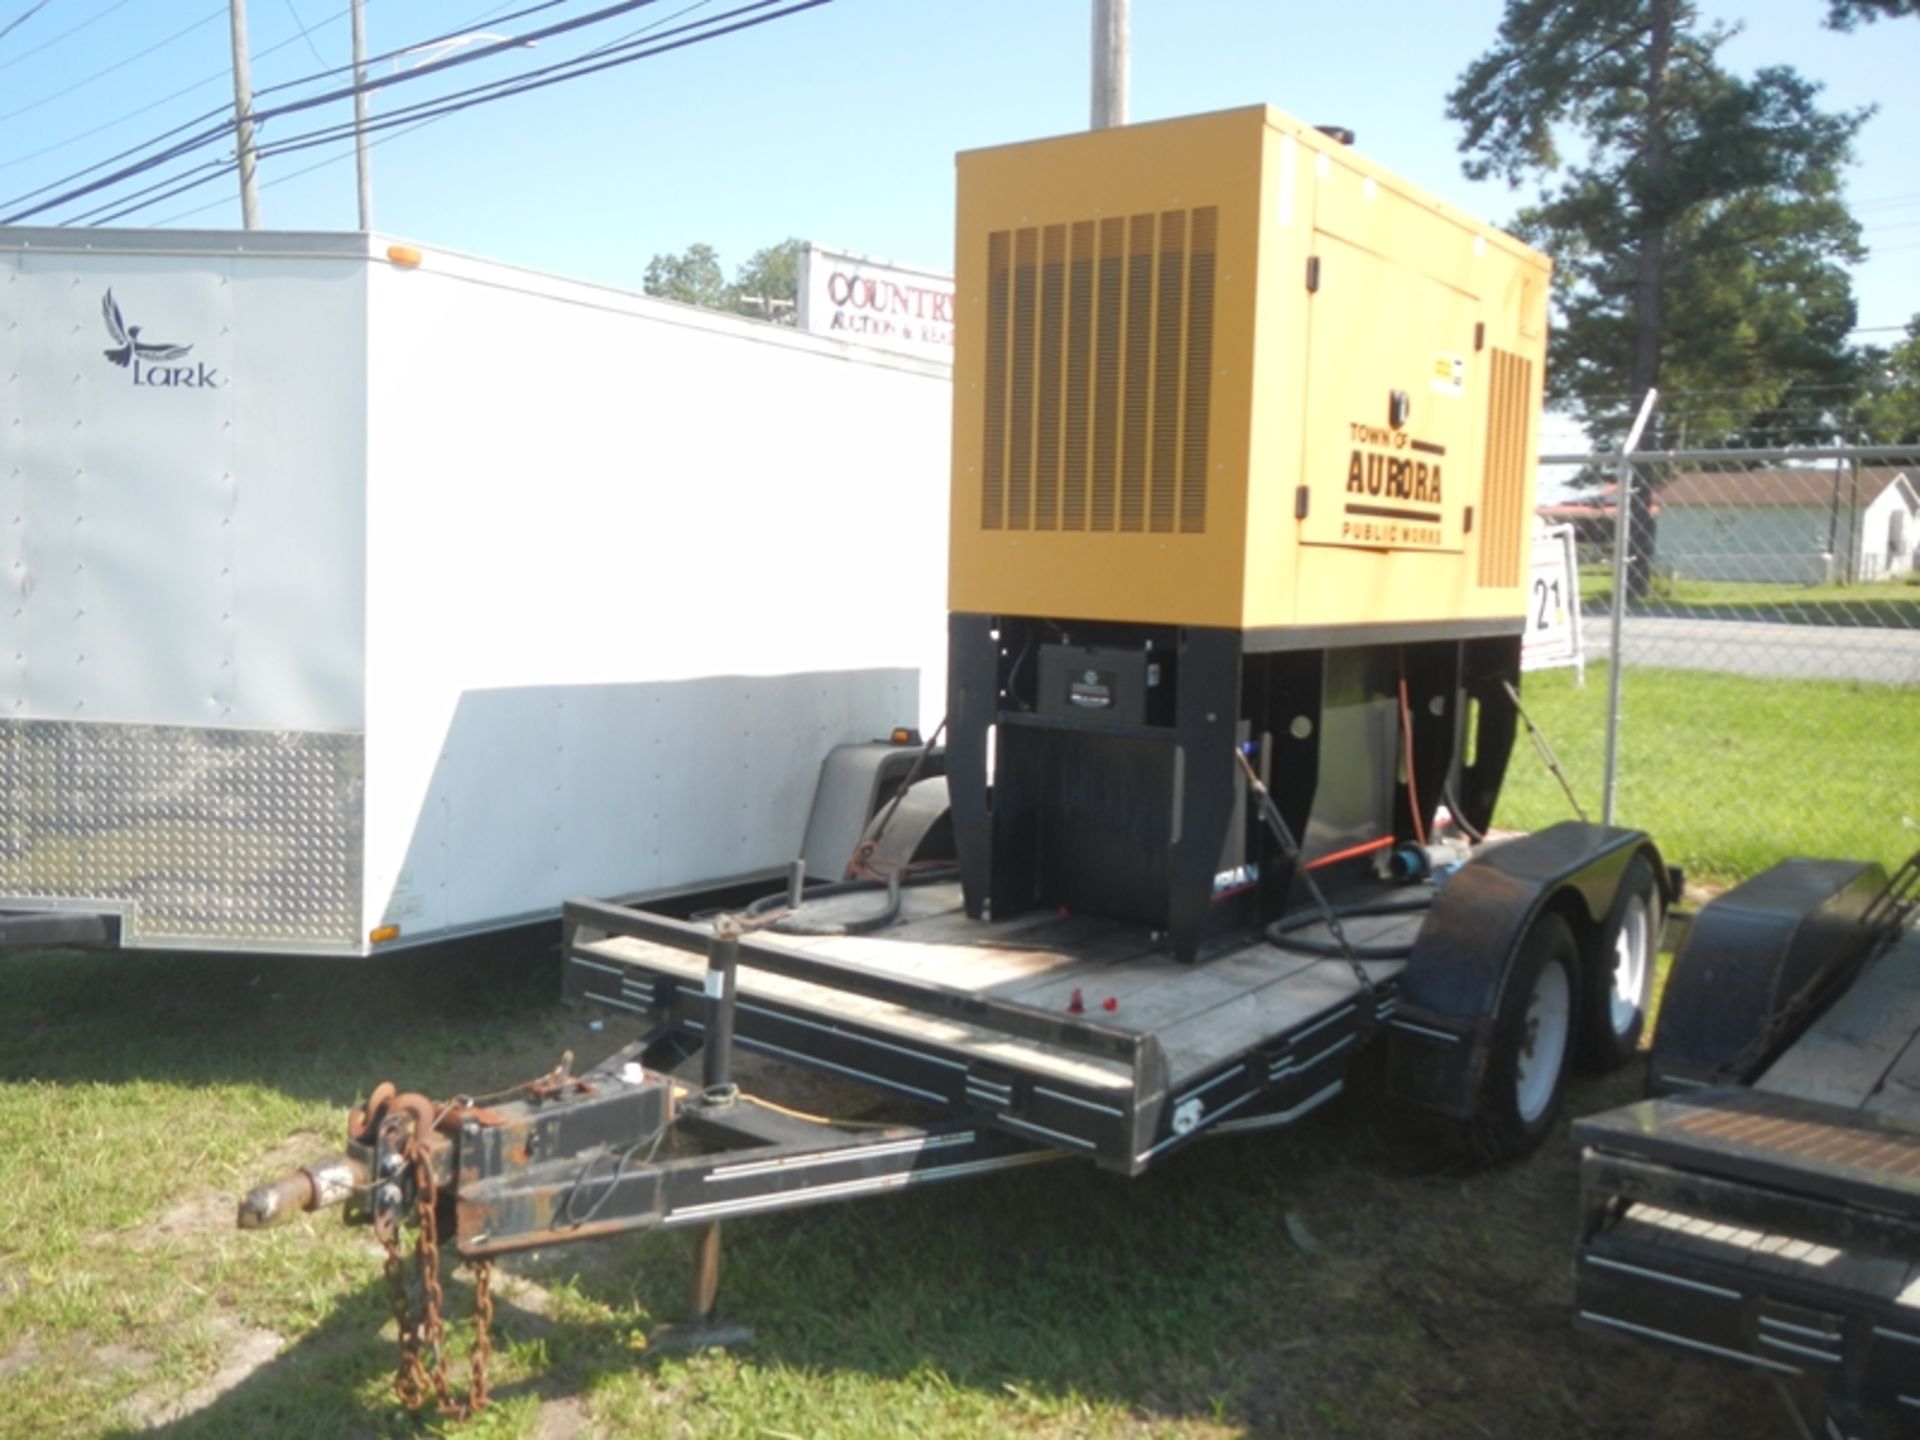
x,y
312,1028
1334,1280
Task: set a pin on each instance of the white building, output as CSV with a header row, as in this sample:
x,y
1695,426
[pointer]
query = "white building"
x,y
1803,525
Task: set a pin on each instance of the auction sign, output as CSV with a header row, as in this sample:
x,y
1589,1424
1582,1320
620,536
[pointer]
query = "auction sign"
x,y
876,302
1552,637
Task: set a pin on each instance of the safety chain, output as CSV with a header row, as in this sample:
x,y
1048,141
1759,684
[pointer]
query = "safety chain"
x,y
422,1372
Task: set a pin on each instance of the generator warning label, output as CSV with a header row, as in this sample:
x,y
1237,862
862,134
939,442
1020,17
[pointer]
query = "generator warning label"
x,y
1394,482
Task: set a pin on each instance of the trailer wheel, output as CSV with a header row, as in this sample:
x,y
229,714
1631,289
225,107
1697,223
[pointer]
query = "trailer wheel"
x,y
1617,978
1530,1049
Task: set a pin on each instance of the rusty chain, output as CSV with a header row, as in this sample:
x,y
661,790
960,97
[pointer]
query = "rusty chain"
x,y
422,1330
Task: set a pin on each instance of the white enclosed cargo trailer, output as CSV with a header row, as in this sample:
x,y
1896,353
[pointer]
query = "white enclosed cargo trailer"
x,y
351,588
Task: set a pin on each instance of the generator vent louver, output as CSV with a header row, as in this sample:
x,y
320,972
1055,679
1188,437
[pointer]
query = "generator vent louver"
x,y
1504,529
1099,374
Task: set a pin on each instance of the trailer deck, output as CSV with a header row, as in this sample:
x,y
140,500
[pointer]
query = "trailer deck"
x,y
1068,1031
1777,1227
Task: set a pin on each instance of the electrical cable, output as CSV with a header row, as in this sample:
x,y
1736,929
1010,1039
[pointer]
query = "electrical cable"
x,y
296,174
773,912
121,119
652,1142
1546,750
528,81
160,44
1406,733
1451,798
25,15
222,112
561,72
1290,847
857,866
1279,933
301,26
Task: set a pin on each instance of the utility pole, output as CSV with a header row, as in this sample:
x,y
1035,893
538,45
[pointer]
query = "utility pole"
x,y
1111,44
243,115
362,171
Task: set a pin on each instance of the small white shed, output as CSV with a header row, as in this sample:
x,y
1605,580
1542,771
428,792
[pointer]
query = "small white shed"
x,y
1799,525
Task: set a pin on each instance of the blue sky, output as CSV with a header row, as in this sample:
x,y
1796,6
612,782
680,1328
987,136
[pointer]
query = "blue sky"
x,y
839,124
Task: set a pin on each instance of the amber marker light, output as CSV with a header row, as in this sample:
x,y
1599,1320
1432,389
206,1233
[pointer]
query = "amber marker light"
x,y
407,255
383,934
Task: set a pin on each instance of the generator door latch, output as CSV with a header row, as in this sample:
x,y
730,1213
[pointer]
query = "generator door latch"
x,y
1399,407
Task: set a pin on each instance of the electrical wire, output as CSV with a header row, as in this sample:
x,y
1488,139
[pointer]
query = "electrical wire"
x,y
117,65
296,174
25,15
301,26
121,119
446,105
221,113
500,89
1279,933
1406,734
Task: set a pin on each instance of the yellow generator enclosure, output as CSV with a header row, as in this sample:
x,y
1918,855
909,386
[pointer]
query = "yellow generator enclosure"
x,y
1225,371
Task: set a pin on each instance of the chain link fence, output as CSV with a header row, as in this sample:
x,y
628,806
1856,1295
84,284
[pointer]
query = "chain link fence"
x,y
1768,623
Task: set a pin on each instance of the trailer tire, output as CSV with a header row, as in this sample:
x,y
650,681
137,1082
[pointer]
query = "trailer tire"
x,y
1617,976
1531,1049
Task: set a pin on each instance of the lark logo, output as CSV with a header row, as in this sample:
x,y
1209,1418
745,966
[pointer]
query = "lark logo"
x,y
151,361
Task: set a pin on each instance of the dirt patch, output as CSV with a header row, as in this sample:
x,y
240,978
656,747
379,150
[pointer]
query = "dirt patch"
x,y
194,1216
245,1350
21,1357
561,1420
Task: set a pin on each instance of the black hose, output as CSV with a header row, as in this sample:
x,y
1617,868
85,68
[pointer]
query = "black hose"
x,y
1452,797
1280,932
794,924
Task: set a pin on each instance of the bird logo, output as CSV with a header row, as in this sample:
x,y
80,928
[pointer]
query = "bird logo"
x,y
131,347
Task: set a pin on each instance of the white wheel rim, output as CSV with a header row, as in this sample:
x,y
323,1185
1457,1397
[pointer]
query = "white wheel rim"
x,y
1543,1045
1632,961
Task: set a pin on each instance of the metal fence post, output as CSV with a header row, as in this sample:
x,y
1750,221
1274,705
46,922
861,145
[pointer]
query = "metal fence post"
x,y
1622,530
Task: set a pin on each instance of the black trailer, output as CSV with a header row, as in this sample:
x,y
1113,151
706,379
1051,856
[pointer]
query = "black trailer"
x,y
1764,1209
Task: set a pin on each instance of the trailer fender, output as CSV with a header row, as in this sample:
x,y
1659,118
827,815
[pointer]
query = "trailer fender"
x,y
1451,990
855,780
1758,963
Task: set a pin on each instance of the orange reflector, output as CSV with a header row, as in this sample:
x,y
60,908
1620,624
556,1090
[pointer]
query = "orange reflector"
x,y
903,736
383,934
403,255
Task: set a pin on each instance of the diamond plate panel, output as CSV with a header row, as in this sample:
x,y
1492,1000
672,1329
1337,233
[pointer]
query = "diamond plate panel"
x,y
227,838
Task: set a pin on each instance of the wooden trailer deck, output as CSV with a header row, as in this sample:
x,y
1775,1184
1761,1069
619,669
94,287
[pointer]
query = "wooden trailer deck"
x,y
1067,1030
1778,1226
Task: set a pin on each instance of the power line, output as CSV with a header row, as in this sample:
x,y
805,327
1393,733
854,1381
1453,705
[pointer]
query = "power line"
x,y
219,111
476,96
207,19
21,19
301,26
304,170
121,119
218,132
64,34
421,124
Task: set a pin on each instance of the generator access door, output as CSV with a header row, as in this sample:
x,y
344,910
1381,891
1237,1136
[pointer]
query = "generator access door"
x,y
1389,446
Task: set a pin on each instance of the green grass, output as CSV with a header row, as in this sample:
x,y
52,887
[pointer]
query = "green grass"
x,y
140,1094
1731,773
1882,602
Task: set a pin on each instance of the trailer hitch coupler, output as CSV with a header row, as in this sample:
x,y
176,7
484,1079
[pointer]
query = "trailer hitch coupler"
x,y
311,1187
